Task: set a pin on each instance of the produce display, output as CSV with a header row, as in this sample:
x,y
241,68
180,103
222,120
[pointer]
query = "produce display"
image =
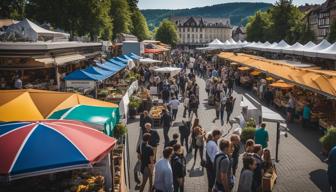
x,y
156,111
86,181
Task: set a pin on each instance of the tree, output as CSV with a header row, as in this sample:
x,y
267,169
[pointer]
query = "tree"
x,y
140,28
332,33
167,32
258,27
12,9
121,16
133,4
78,17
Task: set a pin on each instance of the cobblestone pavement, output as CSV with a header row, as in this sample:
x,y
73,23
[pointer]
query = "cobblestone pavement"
x,y
300,167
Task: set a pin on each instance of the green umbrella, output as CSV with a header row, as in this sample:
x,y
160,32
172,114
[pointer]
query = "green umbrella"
x,y
105,118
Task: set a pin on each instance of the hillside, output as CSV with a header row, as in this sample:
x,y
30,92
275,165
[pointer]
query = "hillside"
x,y
237,12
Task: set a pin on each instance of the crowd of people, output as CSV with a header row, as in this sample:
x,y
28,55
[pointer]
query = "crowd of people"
x,y
220,156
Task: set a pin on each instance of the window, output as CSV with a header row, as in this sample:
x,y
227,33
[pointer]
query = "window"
x,y
201,36
183,30
188,36
188,29
192,29
200,29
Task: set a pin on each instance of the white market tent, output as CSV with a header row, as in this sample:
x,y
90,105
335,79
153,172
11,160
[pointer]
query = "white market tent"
x,y
149,61
274,44
299,51
290,49
312,52
254,45
328,53
216,43
279,47
29,31
165,70
263,46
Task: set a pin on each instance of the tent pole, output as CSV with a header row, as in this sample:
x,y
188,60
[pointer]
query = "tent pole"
x,y
277,142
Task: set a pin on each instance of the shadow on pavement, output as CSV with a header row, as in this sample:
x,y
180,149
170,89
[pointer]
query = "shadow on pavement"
x,y
199,172
320,179
308,137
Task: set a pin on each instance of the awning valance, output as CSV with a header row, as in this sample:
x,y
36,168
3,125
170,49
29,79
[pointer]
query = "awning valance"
x,y
321,81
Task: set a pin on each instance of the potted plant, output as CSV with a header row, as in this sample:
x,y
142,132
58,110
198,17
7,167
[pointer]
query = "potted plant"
x,y
328,141
247,133
134,105
120,130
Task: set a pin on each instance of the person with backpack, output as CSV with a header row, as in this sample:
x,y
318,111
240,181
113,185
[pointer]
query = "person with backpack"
x,y
178,163
193,105
222,167
259,171
246,175
211,151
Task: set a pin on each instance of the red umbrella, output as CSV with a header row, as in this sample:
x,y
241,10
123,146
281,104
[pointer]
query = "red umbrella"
x,y
48,146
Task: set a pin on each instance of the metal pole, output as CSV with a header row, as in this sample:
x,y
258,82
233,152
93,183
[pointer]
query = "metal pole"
x,y
277,142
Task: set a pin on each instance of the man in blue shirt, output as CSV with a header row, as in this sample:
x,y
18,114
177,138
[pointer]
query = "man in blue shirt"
x,y
332,168
163,174
261,136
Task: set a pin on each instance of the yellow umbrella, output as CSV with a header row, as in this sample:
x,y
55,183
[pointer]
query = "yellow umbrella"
x,y
255,73
282,85
243,68
269,79
32,105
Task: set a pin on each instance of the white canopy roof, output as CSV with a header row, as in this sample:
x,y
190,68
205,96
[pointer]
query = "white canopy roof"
x,y
312,52
328,53
29,31
263,48
215,43
299,51
149,60
171,70
290,49
232,41
279,47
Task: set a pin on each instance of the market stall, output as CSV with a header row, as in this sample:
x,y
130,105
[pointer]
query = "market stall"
x,y
31,104
104,119
53,146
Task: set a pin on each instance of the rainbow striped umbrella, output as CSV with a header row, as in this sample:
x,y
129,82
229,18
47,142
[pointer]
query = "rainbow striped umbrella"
x,y
49,146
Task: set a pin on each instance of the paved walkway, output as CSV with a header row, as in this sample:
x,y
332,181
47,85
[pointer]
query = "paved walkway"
x,y
300,167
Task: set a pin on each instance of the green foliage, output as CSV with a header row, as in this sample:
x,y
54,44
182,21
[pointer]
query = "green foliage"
x,y
120,12
135,102
332,33
167,32
120,130
237,12
329,139
12,9
283,21
140,28
251,123
258,27
248,133
78,17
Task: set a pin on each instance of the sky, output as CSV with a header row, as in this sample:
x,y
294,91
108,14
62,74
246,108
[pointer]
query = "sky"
x,y
181,4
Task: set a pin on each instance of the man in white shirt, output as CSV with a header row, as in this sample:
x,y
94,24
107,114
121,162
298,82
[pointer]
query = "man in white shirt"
x,y
174,104
211,151
163,174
